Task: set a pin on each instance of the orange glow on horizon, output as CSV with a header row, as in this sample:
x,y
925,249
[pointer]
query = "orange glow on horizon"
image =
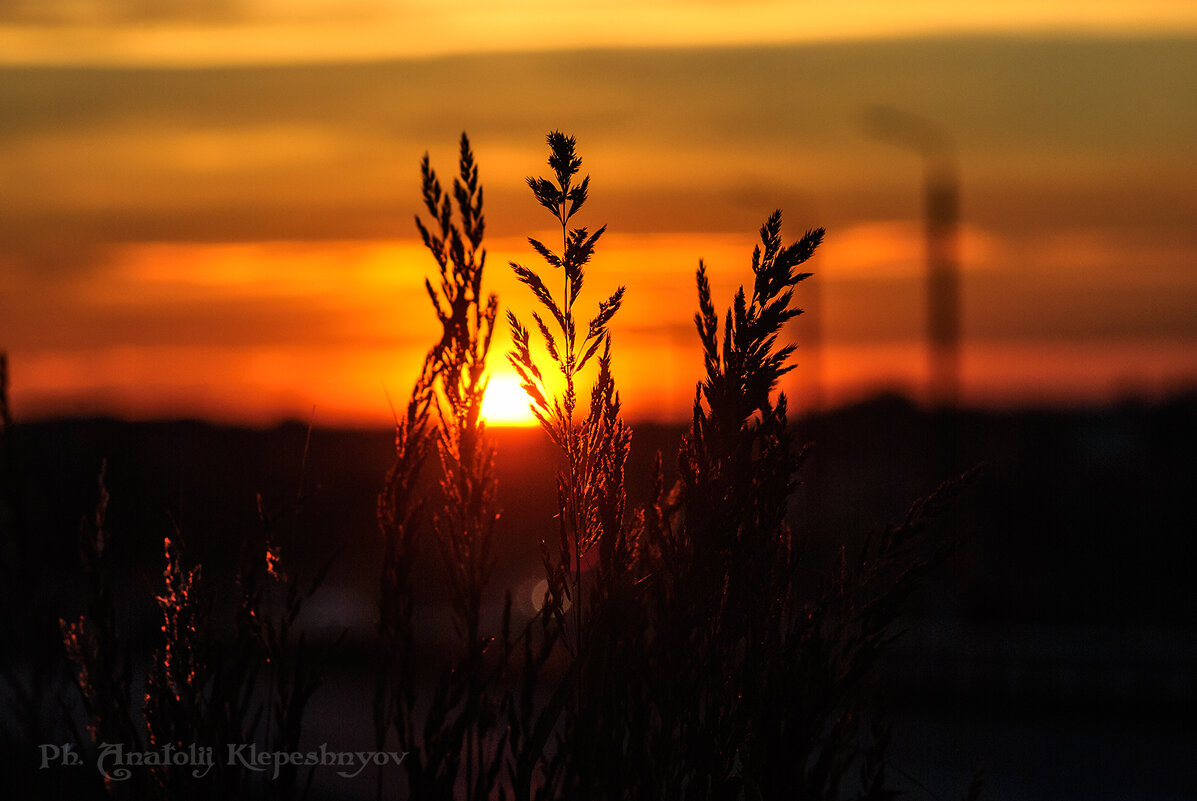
x,y
261,332
236,244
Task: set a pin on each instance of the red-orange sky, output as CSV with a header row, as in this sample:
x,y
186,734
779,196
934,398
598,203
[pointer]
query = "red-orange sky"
x,y
192,225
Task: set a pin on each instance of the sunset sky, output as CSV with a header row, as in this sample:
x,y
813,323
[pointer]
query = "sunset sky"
x,y
206,205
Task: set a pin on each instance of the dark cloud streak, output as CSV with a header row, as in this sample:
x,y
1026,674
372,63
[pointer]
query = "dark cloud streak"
x,y
707,139
67,13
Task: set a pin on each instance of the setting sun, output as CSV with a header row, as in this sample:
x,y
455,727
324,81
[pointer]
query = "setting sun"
x,y
506,403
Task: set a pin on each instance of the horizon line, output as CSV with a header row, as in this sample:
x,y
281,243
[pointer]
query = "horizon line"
x,y
1045,404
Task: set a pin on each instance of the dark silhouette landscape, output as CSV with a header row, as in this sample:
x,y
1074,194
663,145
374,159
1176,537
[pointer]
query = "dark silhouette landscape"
x,y
783,590
1054,649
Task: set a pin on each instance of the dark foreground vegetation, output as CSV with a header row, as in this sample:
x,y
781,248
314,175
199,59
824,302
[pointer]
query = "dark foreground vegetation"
x,y
1054,648
706,612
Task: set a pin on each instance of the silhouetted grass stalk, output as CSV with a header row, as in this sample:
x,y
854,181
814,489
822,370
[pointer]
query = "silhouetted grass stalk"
x,y
458,748
590,488
202,686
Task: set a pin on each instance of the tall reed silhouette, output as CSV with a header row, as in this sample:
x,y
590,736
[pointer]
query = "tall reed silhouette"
x,y
457,748
677,654
590,488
